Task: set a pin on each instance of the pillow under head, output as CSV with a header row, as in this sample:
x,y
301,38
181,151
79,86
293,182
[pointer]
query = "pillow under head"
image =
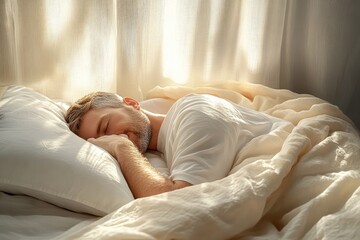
x,y
42,158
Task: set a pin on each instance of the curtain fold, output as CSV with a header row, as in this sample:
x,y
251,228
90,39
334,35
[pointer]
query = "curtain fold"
x,y
66,48
321,52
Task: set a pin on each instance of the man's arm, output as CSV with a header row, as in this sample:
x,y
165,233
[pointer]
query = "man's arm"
x,y
142,178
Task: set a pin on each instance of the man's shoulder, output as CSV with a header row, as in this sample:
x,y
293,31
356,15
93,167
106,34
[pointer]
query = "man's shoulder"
x,y
199,96
192,102
197,99
187,104
199,109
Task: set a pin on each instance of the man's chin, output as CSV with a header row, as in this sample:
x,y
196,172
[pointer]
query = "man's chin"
x,y
139,146
142,149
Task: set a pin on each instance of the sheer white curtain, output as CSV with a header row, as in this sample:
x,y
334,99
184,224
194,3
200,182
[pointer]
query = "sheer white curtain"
x,y
67,48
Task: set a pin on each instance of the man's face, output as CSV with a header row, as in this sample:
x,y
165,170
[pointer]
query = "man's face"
x,y
115,121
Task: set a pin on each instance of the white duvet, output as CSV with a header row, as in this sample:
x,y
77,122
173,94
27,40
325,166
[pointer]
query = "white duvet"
x,y
300,181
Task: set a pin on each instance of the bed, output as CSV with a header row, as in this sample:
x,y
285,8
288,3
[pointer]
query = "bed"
x,y
300,181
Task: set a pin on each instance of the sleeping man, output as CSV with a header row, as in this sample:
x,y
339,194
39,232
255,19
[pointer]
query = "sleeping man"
x,y
199,137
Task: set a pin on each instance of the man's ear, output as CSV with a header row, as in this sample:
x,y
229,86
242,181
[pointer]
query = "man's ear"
x,y
132,102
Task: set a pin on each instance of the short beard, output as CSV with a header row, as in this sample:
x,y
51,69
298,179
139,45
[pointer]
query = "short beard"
x,y
145,136
141,128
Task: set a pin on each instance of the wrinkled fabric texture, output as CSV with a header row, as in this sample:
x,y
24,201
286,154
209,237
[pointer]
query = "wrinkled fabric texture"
x,y
201,136
300,181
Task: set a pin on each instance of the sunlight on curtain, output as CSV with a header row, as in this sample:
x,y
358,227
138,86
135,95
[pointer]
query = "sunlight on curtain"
x,y
178,38
73,47
9,52
216,40
66,48
91,63
252,30
92,66
61,48
58,14
214,22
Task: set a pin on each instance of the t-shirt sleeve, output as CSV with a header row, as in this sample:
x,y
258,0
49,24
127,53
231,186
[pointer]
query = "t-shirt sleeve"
x,y
203,149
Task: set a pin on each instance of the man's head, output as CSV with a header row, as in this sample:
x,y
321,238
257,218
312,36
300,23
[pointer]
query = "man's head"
x,y
101,113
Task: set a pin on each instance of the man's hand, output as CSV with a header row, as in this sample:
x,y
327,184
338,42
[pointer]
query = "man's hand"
x,y
142,178
111,142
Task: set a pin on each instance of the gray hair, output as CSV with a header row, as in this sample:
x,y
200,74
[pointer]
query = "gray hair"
x,y
91,101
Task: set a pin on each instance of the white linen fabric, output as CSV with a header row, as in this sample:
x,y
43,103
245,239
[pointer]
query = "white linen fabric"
x,y
25,217
300,181
202,134
41,157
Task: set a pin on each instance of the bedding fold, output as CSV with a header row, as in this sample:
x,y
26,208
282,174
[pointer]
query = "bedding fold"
x,y
300,181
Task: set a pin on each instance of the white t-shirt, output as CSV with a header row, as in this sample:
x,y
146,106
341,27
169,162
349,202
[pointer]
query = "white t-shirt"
x,y
202,134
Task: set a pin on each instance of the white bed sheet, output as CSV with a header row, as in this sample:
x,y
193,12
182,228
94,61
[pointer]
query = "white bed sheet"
x,y
25,217
303,183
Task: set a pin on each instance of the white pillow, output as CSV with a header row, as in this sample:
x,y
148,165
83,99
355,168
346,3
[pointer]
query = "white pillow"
x,y
41,157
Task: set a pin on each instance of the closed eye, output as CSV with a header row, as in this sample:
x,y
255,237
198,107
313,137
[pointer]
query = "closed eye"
x,y
106,127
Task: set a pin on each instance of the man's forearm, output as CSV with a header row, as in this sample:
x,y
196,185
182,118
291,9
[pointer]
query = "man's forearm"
x,y
143,179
